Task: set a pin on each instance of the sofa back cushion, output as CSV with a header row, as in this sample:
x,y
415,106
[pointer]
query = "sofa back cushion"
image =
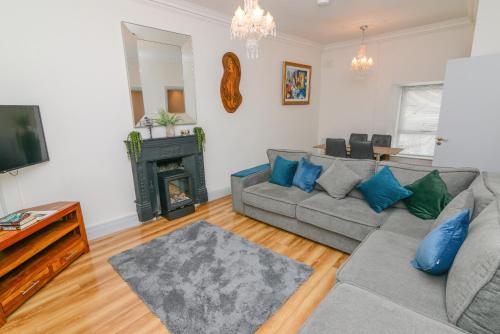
x,y
293,155
482,195
456,179
464,201
473,285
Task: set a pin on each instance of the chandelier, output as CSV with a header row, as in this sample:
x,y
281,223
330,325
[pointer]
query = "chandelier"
x,y
361,62
251,24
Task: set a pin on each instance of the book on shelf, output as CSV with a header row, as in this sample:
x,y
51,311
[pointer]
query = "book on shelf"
x,y
22,220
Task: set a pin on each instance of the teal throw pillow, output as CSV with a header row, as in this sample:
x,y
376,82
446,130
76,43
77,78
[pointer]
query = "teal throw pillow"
x,y
438,249
283,171
306,175
382,190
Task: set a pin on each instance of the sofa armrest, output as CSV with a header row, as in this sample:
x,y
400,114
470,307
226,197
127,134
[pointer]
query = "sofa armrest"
x,y
245,179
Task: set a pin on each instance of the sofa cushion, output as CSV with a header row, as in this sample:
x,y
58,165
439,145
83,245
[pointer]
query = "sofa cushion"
x,y
430,196
464,201
351,310
482,195
274,198
364,168
382,190
283,171
294,155
436,252
402,222
339,180
351,217
473,288
382,264
456,179
306,175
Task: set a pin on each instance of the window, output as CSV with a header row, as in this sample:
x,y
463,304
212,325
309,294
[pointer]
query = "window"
x,y
418,119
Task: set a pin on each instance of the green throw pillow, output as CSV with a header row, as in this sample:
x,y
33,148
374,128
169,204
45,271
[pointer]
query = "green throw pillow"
x,y
430,196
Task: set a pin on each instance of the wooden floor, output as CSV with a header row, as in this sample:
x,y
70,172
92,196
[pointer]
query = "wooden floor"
x,y
90,297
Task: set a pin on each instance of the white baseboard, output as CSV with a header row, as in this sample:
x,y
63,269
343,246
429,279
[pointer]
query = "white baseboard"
x,y
112,226
215,194
123,223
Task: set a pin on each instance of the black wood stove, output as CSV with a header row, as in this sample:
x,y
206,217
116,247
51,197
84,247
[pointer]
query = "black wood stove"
x,y
176,193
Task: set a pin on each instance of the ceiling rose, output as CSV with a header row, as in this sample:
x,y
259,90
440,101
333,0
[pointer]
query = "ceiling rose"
x,y
252,25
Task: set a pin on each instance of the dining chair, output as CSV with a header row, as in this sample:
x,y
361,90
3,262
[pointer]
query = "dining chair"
x,y
361,150
336,147
382,140
358,137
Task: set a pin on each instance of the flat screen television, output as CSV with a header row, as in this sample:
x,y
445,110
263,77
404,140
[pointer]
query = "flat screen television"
x,y
22,141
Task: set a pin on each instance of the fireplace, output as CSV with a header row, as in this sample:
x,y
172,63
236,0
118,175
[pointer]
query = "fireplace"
x,y
176,193
168,157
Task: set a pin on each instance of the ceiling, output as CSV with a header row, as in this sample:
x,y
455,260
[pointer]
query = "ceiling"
x,y
340,21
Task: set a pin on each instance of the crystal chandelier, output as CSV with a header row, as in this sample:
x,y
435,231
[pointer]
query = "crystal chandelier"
x,y
251,24
361,62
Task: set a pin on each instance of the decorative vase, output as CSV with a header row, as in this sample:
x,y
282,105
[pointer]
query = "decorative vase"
x,y
170,131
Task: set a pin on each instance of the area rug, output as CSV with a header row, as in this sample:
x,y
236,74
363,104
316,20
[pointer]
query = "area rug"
x,y
203,279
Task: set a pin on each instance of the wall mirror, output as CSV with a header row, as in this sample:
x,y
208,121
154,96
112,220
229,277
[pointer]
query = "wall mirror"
x,y
160,70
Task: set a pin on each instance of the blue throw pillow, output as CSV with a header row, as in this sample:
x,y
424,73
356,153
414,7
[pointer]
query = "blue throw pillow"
x,y
436,252
306,175
382,190
283,171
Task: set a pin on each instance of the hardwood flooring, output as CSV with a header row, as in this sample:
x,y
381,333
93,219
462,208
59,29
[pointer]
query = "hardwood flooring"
x,y
90,297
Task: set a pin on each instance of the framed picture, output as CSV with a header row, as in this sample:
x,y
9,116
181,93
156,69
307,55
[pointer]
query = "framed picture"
x,y
296,83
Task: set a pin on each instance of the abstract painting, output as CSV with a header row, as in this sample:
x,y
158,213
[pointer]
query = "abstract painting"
x,y
296,83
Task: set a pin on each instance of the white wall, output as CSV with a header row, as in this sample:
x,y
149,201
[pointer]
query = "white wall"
x,y
486,40
371,105
68,57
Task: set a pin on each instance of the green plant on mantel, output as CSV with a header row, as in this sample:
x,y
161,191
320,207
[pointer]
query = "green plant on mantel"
x,y
134,144
166,119
200,138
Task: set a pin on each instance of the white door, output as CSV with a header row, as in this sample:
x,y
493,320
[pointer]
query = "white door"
x,y
469,126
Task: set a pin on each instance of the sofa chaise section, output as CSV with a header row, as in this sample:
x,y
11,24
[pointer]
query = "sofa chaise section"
x,y
381,264
351,310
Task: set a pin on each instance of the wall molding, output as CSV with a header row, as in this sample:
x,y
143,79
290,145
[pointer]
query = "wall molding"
x,y
215,194
212,16
119,224
425,29
111,226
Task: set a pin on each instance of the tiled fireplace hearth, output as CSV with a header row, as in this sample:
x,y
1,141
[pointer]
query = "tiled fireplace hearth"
x,y
169,177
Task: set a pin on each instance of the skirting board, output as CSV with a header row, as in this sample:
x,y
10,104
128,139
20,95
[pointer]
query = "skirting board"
x,y
123,223
112,226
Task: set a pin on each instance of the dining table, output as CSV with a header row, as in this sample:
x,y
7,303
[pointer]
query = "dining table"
x,y
378,151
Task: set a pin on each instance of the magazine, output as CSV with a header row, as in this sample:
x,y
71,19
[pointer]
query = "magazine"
x,y
22,220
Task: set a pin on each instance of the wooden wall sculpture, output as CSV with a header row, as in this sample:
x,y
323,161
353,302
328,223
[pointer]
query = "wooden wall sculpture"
x,y
230,83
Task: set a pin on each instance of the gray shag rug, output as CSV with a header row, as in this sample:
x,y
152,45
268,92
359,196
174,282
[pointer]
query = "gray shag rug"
x,y
203,279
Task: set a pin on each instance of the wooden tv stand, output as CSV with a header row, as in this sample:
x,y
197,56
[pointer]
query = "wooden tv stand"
x,y
30,258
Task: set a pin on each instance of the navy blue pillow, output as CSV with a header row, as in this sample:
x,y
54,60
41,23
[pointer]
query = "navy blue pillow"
x,y
383,190
283,171
436,252
306,175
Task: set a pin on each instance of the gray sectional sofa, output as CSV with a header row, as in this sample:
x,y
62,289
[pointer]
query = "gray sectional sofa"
x,y
378,291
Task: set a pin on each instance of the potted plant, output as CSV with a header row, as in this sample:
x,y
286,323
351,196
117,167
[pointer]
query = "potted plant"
x,y
168,120
134,145
200,138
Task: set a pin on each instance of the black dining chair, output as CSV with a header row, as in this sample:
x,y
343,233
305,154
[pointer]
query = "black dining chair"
x,y
358,137
336,147
382,140
361,150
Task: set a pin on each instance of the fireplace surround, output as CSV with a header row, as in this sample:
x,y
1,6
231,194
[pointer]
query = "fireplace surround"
x,y
155,155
